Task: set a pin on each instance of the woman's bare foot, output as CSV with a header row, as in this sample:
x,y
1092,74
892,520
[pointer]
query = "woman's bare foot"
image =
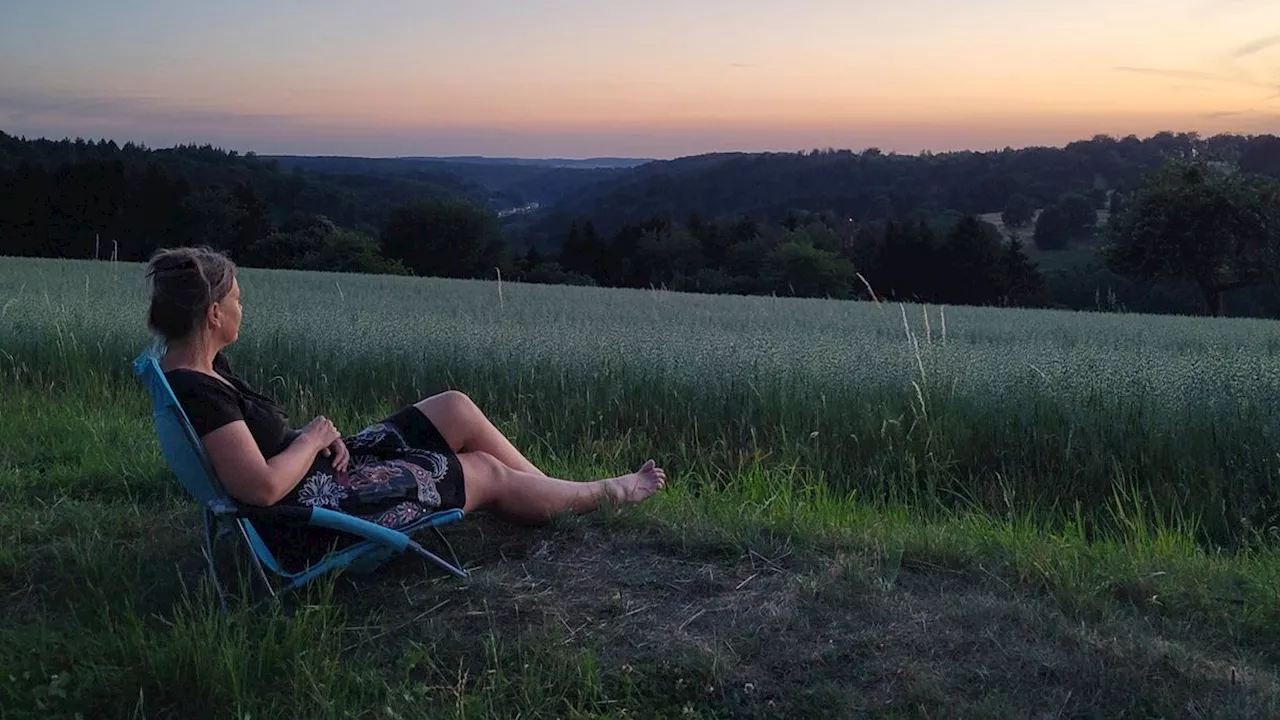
x,y
637,486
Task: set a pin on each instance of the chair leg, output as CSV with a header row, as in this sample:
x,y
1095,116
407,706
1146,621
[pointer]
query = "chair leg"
x,y
457,565
213,531
211,535
257,564
452,569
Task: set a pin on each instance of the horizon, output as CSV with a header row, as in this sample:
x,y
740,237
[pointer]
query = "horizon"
x,y
539,158
567,79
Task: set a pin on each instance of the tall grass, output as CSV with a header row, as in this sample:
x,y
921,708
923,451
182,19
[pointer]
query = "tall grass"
x,y
1016,516
1014,412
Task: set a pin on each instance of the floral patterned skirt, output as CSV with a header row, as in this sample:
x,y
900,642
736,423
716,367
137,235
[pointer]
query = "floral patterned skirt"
x,y
401,469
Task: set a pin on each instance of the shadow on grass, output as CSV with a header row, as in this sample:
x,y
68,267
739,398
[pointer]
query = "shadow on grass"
x,y
108,613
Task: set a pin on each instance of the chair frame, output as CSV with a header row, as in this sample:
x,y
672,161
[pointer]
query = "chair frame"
x,y
222,516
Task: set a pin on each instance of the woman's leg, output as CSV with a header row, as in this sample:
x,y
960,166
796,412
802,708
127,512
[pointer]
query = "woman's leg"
x,y
524,497
466,429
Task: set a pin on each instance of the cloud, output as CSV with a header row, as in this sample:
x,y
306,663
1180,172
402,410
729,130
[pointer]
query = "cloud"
x,y
1211,6
742,65
160,123
1165,72
1256,46
1233,75
25,106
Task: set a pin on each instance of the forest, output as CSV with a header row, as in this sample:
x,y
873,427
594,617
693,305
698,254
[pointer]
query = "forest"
x,y
1067,227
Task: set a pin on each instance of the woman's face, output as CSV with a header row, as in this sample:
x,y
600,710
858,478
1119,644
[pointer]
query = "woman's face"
x,y
227,315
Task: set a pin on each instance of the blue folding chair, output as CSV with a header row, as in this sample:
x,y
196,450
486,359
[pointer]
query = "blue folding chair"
x,y
185,455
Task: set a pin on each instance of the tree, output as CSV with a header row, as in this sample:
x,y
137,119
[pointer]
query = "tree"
x,y
881,208
973,257
1052,231
799,269
1097,197
350,252
313,242
211,217
1080,215
1024,285
1197,223
532,259
444,238
902,262
1018,211
1261,155
550,273
25,212
666,255
583,251
300,236
1117,202
253,223
714,240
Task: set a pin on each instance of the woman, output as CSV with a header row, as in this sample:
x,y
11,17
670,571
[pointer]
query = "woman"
x,y
436,454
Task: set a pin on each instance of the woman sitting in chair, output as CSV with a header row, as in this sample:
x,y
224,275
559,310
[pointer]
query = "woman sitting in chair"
x,y
437,454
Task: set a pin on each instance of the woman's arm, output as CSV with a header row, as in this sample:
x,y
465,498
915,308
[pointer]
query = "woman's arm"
x,y
251,478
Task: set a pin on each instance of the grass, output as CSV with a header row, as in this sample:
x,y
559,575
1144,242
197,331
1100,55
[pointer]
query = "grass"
x,y
936,407
1006,541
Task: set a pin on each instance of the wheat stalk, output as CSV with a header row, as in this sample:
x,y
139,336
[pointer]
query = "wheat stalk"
x,y
867,285
912,341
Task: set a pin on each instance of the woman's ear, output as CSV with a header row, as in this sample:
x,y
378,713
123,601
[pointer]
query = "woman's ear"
x,y
214,316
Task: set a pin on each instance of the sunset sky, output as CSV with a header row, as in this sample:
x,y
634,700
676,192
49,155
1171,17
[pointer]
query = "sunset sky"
x,y
658,78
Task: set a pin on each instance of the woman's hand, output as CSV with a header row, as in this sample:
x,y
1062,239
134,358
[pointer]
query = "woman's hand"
x,y
321,434
338,451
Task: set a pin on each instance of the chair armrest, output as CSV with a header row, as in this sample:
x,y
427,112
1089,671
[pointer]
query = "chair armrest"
x,y
372,531
362,528
440,517
315,517
333,520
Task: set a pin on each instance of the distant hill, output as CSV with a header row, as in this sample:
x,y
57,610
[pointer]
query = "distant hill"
x,y
509,182
872,185
78,198
584,164
346,196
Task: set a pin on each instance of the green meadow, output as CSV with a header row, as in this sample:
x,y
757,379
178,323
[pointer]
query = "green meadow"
x,y
873,510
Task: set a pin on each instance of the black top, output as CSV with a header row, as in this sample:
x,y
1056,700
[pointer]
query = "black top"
x,y
211,403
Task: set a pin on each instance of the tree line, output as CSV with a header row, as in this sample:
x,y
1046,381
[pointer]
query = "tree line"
x,y
59,195
958,261
872,185
1204,225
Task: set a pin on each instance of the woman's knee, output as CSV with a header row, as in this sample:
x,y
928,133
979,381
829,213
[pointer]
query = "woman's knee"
x,y
484,477
458,400
449,402
454,415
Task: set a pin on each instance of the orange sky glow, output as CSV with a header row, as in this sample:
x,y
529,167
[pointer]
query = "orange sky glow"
x,y
656,79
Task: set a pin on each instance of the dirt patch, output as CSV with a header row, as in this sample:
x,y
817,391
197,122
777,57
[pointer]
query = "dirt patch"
x,y
748,631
